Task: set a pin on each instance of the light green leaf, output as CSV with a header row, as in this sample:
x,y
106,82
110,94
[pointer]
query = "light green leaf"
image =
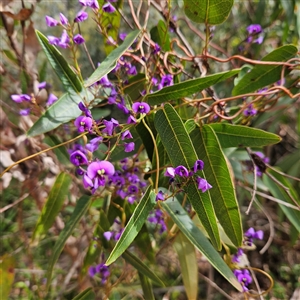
x,y
217,174
141,267
187,88
80,209
111,60
197,238
53,205
263,75
64,72
188,264
242,136
134,225
87,294
146,287
210,12
181,152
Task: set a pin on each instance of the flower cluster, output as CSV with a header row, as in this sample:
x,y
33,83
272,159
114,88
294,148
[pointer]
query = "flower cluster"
x,y
157,218
250,111
253,31
100,269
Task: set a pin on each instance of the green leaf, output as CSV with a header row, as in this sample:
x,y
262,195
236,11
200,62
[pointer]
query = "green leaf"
x,y
54,203
87,294
146,287
160,35
64,72
62,111
188,87
134,225
80,209
136,84
188,264
181,152
146,138
111,60
217,174
263,75
242,136
197,238
210,12
142,268
7,275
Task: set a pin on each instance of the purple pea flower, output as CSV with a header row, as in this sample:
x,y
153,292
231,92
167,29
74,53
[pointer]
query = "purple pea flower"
x,y
51,99
104,81
132,71
63,19
51,22
160,196
84,109
110,126
94,144
81,16
43,85
131,120
83,124
236,257
108,8
98,170
251,234
78,158
244,277
78,39
198,166
53,40
250,111
24,112
170,172
181,171
90,3
20,98
156,48
122,36
203,185
64,40
141,107
126,135
108,235
254,29
128,147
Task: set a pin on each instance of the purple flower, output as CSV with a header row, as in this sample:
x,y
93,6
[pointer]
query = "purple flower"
x,y
84,109
126,135
203,185
83,124
108,235
64,40
154,81
81,16
20,98
156,48
98,170
24,112
104,81
198,166
250,111
63,19
87,181
170,172
236,257
51,22
110,126
158,219
90,3
128,147
108,8
94,144
51,99
166,80
92,271
103,271
78,39
160,196
43,85
141,107
53,40
244,277
78,158
181,171
131,120
251,234
122,36
132,71
254,29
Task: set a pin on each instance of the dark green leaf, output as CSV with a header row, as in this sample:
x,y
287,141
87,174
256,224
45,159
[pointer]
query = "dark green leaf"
x,y
141,267
111,60
87,294
160,35
181,152
146,138
134,225
263,75
146,287
217,174
64,72
187,88
243,136
53,205
210,12
136,84
197,238
80,209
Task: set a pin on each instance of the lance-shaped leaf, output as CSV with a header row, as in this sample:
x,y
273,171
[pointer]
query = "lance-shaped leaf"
x,y
218,175
210,12
181,152
146,287
111,60
188,264
197,238
160,35
87,294
64,72
134,225
242,136
80,209
263,75
187,88
62,111
141,267
53,205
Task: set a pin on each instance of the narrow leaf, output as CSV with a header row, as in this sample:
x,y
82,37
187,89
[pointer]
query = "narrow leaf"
x,y
7,275
53,205
263,75
80,209
146,287
141,267
134,225
210,12
181,152
187,88
111,60
218,175
188,264
198,239
160,35
87,294
64,72
242,136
